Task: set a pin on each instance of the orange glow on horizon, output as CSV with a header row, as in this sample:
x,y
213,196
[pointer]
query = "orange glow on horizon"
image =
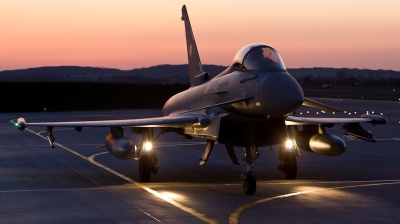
x,y
126,34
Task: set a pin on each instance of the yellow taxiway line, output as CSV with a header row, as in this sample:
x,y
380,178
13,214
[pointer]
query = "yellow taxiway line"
x,y
235,215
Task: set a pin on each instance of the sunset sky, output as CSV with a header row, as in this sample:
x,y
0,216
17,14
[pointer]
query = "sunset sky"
x,y
128,34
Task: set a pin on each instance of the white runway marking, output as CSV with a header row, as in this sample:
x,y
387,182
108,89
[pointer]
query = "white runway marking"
x,y
159,195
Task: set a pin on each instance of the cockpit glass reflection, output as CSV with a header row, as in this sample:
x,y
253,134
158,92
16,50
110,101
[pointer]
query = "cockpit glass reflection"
x,y
263,58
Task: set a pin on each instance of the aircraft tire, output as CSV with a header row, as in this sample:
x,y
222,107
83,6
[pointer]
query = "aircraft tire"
x,y
144,168
290,170
249,185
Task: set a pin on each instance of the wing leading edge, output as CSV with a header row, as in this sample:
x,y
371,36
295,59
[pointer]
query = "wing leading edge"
x,y
167,121
374,119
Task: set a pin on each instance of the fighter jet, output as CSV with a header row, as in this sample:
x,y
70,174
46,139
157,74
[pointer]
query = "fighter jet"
x,y
251,104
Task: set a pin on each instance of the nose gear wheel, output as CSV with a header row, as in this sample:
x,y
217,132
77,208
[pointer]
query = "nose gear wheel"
x,y
249,184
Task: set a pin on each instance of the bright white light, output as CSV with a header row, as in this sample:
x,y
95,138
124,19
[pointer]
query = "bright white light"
x,y
317,112
349,113
355,112
172,195
344,111
289,144
148,146
373,112
308,112
367,112
333,112
381,113
301,113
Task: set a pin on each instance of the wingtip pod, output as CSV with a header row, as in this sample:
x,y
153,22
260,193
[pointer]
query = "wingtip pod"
x,y
375,119
21,124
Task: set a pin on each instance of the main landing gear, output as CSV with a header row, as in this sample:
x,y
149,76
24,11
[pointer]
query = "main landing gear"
x,y
248,181
288,150
287,163
147,156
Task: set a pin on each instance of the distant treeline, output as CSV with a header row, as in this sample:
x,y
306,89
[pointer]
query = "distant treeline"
x,y
343,78
179,74
35,96
159,74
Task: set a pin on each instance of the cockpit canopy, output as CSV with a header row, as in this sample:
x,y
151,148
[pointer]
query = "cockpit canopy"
x,y
259,57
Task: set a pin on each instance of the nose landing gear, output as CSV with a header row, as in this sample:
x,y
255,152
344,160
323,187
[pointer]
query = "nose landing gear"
x,y
248,181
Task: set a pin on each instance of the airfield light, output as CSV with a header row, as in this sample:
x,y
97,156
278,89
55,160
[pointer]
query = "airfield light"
x,y
309,111
148,146
317,112
355,112
344,111
289,144
381,113
367,112
301,113
349,113
333,112
16,124
373,112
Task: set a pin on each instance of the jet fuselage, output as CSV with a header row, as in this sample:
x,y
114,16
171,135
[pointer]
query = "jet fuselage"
x,y
275,94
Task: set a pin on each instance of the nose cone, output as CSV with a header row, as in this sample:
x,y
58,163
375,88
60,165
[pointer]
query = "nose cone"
x,y
280,94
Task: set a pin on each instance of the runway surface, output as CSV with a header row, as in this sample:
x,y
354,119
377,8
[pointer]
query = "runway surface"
x,y
77,182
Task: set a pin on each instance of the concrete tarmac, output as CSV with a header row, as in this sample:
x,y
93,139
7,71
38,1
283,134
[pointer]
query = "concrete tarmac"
x,y
77,182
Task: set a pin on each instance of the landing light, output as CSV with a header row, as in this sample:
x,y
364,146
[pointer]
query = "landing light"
x,y
289,144
148,146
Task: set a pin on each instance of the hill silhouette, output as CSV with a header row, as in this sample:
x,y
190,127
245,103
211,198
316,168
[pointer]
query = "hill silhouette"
x,y
179,74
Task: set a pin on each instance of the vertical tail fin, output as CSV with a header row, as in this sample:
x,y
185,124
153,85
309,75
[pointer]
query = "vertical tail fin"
x,y
195,67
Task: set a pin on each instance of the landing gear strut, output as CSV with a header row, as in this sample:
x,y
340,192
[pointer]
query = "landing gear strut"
x,y
248,181
145,168
50,137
